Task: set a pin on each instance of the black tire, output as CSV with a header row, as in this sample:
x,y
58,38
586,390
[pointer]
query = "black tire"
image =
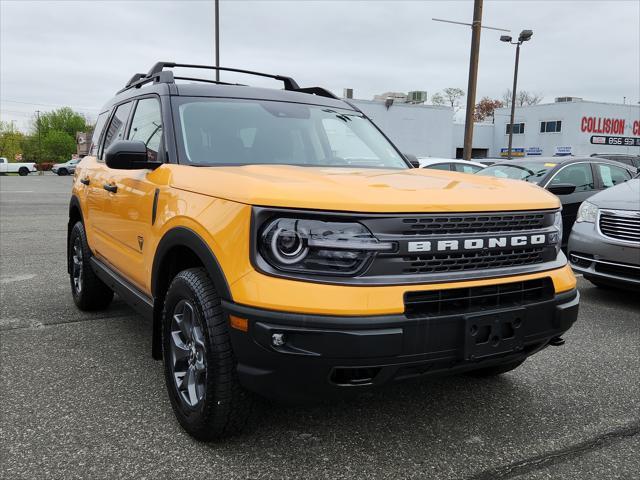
x,y
495,370
218,406
89,292
62,172
23,171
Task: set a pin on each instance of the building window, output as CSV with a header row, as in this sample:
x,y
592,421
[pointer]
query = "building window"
x,y
554,126
518,128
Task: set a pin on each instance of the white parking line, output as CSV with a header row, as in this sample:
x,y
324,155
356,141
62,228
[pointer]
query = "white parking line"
x,y
17,278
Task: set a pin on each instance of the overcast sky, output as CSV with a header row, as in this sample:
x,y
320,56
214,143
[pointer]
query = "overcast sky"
x,y
55,53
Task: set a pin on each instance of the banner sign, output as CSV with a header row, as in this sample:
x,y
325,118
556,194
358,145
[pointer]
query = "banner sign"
x,y
615,141
534,151
560,151
515,152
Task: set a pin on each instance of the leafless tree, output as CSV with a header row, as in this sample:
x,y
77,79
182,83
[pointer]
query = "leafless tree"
x,y
449,96
523,97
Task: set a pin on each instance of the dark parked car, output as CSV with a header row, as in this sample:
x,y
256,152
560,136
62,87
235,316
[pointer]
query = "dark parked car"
x,y
573,179
633,160
605,240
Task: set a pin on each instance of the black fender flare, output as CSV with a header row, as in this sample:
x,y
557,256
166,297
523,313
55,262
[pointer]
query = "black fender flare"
x,y
181,237
185,237
74,203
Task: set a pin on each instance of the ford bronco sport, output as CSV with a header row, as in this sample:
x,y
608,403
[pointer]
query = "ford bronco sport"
x,y
280,244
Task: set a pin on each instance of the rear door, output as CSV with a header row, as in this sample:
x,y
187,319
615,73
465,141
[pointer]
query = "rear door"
x,y
99,202
581,176
610,175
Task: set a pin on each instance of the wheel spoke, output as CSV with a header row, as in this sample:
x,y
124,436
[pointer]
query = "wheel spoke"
x,y
180,349
198,337
183,326
191,386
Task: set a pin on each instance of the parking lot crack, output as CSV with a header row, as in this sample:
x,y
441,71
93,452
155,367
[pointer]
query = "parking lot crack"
x,y
562,455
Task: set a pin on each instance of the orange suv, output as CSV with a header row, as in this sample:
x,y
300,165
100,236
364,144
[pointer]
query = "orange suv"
x,y
282,245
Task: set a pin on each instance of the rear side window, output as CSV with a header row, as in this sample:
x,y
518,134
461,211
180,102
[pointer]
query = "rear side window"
x,y
440,166
612,175
146,126
97,132
116,127
461,167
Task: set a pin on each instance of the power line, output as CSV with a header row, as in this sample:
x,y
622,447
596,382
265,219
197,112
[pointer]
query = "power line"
x,y
49,105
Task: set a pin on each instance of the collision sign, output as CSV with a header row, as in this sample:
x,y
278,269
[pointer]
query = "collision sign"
x,y
603,125
622,141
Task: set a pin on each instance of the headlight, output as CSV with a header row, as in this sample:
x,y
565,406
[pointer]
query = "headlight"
x,y
587,213
557,222
314,246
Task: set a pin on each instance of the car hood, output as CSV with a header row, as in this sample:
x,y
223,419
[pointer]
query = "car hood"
x,y
625,196
360,189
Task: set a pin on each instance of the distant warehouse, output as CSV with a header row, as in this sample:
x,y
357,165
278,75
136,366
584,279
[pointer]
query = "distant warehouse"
x,y
568,126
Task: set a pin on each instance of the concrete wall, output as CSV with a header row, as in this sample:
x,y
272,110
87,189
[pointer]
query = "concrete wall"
x,y
571,115
482,137
423,130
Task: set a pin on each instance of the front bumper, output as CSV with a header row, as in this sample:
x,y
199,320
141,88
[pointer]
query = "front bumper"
x,y
324,356
602,258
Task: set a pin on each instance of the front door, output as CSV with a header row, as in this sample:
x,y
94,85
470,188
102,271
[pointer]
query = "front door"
x,y
128,210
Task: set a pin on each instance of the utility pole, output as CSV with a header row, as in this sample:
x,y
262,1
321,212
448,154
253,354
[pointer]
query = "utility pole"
x,y
217,23
474,58
473,78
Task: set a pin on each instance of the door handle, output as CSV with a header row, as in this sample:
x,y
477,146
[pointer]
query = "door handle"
x,y
110,188
85,181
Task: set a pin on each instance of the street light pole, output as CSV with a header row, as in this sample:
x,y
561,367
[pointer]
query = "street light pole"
x,y
525,36
513,101
217,22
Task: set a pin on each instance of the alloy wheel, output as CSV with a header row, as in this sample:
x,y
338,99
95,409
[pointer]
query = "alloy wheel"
x,y
188,361
77,267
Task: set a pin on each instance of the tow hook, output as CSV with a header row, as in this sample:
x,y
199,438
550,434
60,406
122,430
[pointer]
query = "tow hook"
x,y
556,341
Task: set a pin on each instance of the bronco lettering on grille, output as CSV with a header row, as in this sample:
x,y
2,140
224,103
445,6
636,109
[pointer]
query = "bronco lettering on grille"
x,y
485,243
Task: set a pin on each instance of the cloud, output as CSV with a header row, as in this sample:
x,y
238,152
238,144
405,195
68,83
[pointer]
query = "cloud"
x,y
80,53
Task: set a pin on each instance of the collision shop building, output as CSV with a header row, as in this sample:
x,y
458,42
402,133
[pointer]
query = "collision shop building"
x,y
568,126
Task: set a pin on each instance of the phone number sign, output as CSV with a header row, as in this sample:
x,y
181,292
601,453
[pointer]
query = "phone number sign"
x,y
613,141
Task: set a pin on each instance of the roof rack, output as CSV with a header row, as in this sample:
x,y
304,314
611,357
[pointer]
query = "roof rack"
x,y
158,74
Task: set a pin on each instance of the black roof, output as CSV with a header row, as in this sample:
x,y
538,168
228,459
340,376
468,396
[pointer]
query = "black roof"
x,y
163,82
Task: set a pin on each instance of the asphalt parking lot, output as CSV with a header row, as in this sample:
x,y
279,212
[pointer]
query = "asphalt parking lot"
x,y
80,396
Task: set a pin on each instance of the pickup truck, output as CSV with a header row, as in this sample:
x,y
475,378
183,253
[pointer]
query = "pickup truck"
x,y
21,169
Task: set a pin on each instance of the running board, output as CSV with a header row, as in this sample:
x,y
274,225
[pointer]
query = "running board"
x,y
125,290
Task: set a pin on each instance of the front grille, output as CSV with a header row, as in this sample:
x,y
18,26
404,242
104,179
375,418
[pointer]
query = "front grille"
x,y
444,225
452,262
620,224
473,299
436,227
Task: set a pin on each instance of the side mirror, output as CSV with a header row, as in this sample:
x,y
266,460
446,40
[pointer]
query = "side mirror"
x,y
412,159
128,155
562,188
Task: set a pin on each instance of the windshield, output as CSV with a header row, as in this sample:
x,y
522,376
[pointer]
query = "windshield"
x,y
243,132
529,171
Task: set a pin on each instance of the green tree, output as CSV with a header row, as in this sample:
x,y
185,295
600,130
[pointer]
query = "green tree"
x,y
57,146
10,141
63,120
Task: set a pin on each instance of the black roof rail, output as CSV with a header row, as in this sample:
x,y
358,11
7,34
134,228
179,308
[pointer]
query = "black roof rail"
x,y
289,83
158,74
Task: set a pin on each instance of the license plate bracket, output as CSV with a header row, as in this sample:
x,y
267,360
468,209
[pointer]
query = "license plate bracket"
x,y
494,334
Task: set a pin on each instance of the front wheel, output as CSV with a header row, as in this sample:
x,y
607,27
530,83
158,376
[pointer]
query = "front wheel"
x,y
89,292
199,364
23,171
62,172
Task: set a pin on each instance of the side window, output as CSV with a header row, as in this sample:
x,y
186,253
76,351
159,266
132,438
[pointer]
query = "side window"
x,y
97,132
115,131
440,166
578,174
461,167
612,175
146,126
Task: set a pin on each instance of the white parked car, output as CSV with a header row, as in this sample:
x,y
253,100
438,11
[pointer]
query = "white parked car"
x,y
21,168
66,168
450,164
